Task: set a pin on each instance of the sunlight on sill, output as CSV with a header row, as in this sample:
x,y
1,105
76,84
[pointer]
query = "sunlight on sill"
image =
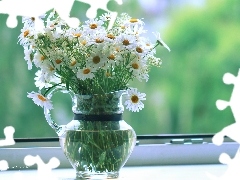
x,y
176,172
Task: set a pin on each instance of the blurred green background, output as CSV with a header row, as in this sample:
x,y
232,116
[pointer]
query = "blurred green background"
x,y
205,44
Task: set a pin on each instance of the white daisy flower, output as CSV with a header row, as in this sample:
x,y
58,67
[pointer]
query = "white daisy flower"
x,y
143,74
84,42
40,80
160,41
113,59
27,57
36,22
98,38
96,59
24,37
43,80
85,73
134,100
28,20
40,60
40,100
110,37
58,57
134,22
73,64
74,33
120,21
112,56
49,33
106,17
57,33
135,66
141,49
134,26
49,70
50,25
126,41
92,26
139,69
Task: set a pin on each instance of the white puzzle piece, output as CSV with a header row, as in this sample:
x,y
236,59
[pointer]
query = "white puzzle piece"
x,y
3,165
231,131
43,170
36,8
8,132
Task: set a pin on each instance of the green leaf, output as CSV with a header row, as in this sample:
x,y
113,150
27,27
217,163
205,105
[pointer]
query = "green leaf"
x,y
102,158
67,85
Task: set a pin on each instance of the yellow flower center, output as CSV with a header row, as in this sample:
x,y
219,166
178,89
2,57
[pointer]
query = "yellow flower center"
x,y
73,63
134,99
42,58
96,59
77,34
123,27
135,66
25,33
117,49
86,71
93,26
42,98
133,20
139,50
58,61
108,74
84,42
125,42
98,40
51,68
111,57
111,36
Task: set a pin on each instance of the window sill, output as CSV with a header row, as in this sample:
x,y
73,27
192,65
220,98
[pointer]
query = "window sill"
x,y
176,172
152,157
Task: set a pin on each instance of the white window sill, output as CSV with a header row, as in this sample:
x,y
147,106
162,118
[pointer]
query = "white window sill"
x,y
151,159
176,172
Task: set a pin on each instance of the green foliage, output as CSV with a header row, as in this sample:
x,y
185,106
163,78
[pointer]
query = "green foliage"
x,y
181,95
15,108
204,46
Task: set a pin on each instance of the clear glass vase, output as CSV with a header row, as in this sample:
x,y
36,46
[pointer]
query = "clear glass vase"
x,y
97,142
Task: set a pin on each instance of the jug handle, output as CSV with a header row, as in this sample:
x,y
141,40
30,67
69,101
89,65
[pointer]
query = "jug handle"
x,y
59,129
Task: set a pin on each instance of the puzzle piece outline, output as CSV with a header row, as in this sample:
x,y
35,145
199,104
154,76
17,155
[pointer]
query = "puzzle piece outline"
x,y
231,130
42,6
3,165
8,141
43,170
35,10
92,11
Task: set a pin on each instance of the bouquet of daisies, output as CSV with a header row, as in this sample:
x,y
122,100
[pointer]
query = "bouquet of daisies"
x,y
89,59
